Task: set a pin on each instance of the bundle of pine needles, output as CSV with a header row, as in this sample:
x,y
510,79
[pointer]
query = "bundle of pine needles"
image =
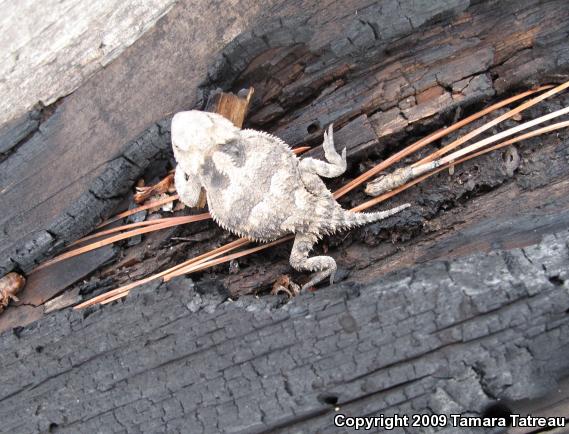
x,y
383,188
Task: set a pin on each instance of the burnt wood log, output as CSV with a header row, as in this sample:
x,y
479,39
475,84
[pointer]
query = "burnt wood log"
x,y
397,63
458,305
180,358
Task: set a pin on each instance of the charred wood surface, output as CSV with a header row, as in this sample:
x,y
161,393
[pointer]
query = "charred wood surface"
x,y
181,358
452,306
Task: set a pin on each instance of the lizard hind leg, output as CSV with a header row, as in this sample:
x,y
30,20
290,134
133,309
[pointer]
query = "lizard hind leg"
x,y
323,265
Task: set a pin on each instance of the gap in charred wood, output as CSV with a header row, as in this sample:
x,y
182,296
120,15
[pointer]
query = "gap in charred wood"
x,y
498,410
328,399
313,127
556,280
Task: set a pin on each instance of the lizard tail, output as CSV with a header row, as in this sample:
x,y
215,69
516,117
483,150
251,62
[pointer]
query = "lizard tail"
x,y
344,219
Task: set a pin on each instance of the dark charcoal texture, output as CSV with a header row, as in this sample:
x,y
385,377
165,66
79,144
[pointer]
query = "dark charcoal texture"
x,y
14,132
458,335
106,191
439,338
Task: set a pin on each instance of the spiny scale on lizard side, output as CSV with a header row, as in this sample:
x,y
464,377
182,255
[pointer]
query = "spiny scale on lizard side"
x,y
257,187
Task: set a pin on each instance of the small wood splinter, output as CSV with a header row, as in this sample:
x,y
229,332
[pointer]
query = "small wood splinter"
x,y
10,285
399,177
144,193
285,284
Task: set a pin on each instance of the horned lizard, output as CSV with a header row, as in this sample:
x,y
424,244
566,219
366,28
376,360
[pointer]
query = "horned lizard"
x,y
257,188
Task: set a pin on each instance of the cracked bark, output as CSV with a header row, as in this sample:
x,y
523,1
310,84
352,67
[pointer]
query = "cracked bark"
x,y
457,344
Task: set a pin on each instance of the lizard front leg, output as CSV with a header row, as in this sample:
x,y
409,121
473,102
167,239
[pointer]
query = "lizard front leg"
x,y
188,187
324,265
336,164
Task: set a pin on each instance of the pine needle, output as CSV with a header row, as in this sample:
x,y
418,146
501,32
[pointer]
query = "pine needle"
x,y
181,220
395,179
189,268
504,134
378,168
493,122
115,238
207,264
509,142
430,139
220,250
130,212
301,150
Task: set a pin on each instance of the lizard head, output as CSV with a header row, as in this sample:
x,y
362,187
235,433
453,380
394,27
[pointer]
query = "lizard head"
x,y
196,131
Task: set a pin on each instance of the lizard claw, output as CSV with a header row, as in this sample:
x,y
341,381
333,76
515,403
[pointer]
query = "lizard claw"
x,y
332,276
330,151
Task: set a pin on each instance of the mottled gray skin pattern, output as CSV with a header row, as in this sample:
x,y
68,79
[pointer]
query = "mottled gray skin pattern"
x,y
257,188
